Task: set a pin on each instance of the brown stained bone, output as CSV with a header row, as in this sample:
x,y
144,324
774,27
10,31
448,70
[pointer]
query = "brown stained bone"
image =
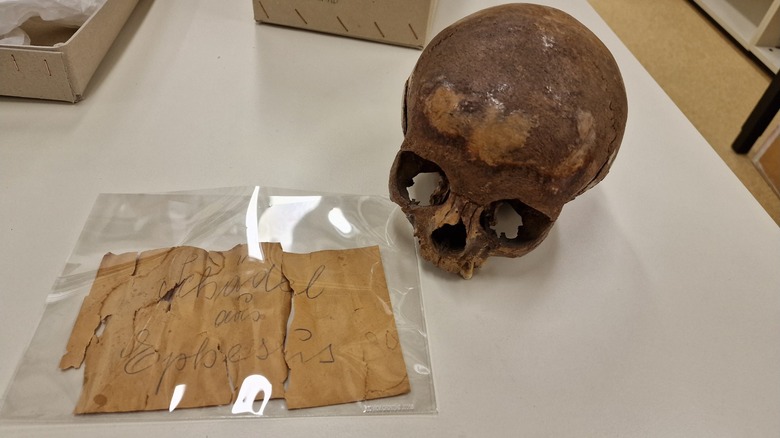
x,y
518,104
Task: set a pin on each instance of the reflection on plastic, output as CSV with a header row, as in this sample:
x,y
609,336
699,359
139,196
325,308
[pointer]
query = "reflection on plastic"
x,y
178,393
421,369
284,213
252,235
338,220
252,386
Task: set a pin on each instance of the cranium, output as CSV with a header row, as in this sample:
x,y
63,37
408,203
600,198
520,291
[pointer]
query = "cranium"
x,y
515,107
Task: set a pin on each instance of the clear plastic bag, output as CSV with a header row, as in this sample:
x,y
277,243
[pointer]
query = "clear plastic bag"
x,y
71,13
16,37
218,220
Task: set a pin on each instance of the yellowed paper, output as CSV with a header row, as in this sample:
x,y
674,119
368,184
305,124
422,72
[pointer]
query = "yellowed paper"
x,y
180,316
184,326
342,344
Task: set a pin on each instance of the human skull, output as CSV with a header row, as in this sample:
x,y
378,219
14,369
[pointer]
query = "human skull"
x,y
517,106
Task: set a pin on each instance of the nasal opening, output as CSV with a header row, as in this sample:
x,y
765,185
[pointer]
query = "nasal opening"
x,y
450,237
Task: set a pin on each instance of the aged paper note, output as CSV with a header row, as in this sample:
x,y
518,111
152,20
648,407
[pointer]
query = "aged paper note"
x,y
180,316
343,344
197,323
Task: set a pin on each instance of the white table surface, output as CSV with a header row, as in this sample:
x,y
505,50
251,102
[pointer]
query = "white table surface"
x,y
653,309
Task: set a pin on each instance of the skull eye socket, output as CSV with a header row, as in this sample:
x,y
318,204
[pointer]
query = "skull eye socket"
x,y
426,189
512,221
421,182
508,221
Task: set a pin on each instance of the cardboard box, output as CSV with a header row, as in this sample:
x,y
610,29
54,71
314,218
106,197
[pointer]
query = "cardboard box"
x,y
767,159
400,22
61,71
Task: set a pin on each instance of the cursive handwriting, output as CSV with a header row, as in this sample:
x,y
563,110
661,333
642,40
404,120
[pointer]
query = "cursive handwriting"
x,y
235,316
143,356
312,281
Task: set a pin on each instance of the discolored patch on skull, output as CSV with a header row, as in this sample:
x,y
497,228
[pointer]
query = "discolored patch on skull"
x,y
441,108
585,127
491,135
497,137
583,150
